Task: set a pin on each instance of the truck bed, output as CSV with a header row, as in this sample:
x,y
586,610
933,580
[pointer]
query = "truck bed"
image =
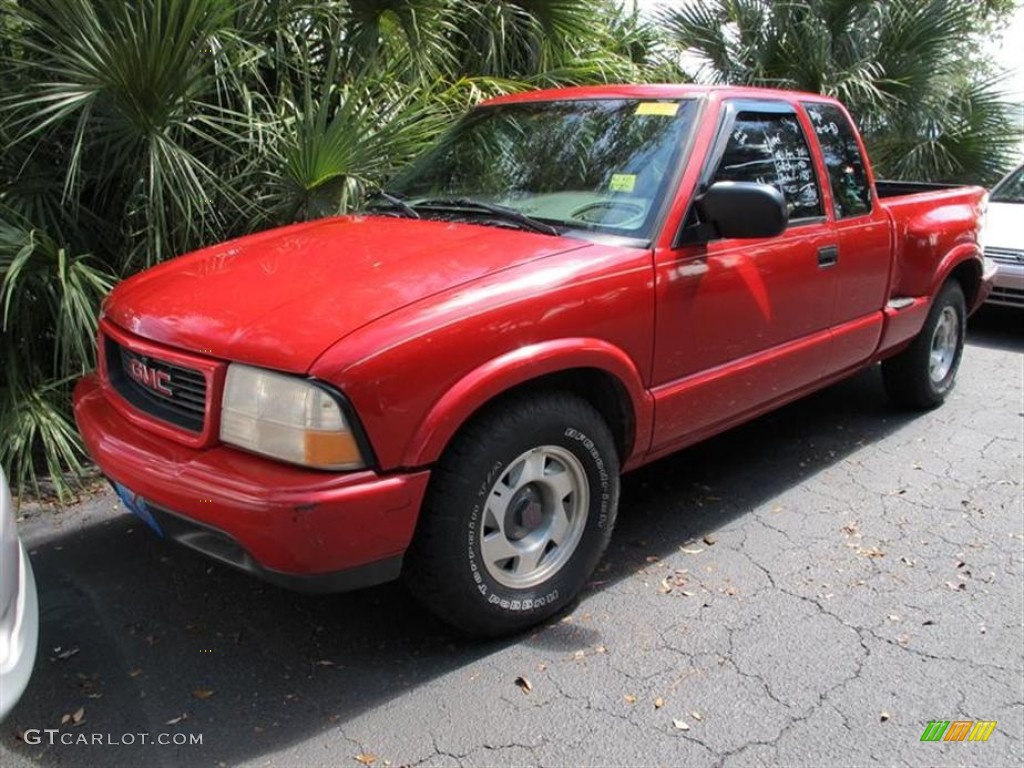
x,y
894,188
929,221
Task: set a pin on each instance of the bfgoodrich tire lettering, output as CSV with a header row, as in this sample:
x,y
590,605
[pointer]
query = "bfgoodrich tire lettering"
x,y
519,511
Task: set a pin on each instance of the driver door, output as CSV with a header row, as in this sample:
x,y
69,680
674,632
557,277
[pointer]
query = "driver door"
x,y
744,324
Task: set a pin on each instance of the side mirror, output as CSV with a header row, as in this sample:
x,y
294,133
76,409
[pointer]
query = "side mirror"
x,y
743,209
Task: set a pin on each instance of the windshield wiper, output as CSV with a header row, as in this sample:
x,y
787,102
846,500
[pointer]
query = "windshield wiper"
x,y
393,201
498,211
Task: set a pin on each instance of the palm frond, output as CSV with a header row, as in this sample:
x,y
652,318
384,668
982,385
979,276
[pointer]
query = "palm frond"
x,y
908,70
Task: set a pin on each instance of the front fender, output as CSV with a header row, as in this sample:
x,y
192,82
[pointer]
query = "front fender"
x,y
501,374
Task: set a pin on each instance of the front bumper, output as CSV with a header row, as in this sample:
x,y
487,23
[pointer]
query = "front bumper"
x,y
300,528
21,636
1008,285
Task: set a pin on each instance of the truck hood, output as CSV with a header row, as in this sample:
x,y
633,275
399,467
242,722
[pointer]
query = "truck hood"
x,y
278,299
1002,226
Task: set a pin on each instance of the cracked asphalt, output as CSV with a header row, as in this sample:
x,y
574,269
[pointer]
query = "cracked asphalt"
x,y
812,588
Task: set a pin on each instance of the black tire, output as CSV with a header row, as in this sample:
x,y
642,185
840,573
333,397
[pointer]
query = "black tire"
x,y
911,377
486,469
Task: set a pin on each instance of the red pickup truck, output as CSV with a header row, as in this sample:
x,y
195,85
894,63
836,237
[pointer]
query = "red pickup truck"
x,y
572,283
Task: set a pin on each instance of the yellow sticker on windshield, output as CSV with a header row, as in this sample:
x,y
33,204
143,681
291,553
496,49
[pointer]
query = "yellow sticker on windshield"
x,y
663,108
622,182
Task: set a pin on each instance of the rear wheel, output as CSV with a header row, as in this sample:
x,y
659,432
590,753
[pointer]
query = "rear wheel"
x,y
922,375
519,510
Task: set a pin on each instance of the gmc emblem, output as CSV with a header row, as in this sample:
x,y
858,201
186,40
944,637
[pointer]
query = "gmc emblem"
x,y
150,378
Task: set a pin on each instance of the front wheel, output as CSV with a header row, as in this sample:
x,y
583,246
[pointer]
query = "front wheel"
x,y
923,374
519,511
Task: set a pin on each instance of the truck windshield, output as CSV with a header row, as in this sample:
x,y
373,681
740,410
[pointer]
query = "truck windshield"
x,y
1010,189
585,165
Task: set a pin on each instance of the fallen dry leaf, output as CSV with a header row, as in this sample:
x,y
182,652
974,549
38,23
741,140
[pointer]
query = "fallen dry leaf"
x,y
883,716
202,693
524,684
65,653
691,550
135,672
696,715
659,703
78,716
630,698
872,552
176,720
366,758
680,725
600,649
956,587
730,590
326,663
675,581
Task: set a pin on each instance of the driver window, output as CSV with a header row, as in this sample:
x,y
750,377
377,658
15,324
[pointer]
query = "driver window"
x,y
769,148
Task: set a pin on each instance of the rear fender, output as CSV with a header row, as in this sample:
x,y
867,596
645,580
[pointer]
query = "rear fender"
x,y
903,323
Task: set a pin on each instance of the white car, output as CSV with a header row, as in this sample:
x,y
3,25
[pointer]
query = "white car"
x,y
1004,239
19,608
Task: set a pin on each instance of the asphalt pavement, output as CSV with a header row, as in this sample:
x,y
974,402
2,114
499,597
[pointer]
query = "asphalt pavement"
x,y
811,589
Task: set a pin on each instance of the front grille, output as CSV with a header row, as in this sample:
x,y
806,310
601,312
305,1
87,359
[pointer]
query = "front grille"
x,y
1005,255
1011,297
169,392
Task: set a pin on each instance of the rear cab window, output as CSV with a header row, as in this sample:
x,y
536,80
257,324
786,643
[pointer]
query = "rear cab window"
x,y
847,172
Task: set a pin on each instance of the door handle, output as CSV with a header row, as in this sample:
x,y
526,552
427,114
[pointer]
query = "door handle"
x,y
828,255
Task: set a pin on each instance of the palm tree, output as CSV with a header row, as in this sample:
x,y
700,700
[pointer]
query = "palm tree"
x,y
928,106
134,131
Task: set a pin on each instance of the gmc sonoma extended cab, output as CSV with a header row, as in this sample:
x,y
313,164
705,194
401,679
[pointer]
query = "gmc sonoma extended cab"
x,y
572,283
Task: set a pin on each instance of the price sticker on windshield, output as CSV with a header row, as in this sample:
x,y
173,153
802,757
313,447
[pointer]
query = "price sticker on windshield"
x,y
662,108
622,182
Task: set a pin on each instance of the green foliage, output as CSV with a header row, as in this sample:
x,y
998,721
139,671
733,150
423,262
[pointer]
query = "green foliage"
x,y
48,301
135,131
927,102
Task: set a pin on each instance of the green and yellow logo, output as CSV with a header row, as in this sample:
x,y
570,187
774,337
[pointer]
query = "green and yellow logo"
x,y
958,730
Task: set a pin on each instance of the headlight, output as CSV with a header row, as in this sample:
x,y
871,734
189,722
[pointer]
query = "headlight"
x,y
287,418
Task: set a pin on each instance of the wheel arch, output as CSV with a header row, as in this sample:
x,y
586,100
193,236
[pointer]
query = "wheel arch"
x,y
963,264
595,370
968,274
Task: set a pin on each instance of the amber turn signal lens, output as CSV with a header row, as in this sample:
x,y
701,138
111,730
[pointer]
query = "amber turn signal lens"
x,y
332,449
